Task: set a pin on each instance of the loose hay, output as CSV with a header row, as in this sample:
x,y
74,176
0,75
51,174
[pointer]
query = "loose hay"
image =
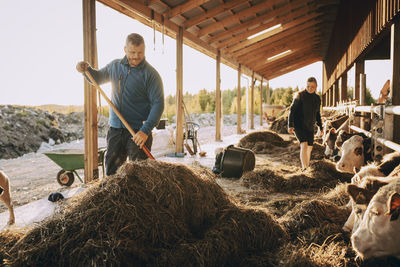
x,y
7,240
280,125
262,141
150,213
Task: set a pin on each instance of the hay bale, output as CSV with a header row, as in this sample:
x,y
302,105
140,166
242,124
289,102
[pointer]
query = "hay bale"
x,y
262,141
149,213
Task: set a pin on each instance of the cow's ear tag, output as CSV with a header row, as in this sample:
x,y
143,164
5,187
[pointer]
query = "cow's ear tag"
x,y
394,206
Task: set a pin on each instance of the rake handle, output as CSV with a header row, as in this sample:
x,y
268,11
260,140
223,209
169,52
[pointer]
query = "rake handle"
x,y
145,149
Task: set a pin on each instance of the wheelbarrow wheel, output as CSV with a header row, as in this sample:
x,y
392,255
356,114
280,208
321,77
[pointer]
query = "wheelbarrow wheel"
x,y
65,178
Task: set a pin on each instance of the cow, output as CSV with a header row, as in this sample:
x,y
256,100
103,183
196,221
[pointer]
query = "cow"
x,y
356,152
331,128
377,234
6,197
365,183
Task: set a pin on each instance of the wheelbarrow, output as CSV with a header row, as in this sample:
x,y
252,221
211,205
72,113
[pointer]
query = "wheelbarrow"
x,y
71,160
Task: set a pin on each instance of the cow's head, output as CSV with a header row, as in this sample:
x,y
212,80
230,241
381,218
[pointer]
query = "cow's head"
x,y
377,234
352,155
342,137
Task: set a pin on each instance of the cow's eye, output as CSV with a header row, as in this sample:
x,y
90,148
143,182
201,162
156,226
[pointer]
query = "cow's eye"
x,y
374,212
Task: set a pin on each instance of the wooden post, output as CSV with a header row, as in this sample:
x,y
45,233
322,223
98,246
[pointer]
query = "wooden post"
x,y
252,101
335,93
218,110
363,102
261,101
392,122
90,101
324,84
343,87
360,66
179,91
268,100
329,92
238,99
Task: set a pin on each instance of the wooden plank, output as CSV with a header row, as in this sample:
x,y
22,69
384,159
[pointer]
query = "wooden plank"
x,y
267,35
324,79
279,15
363,102
336,93
91,170
182,8
360,69
252,102
179,92
238,102
261,101
268,92
264,5
211,13
218,111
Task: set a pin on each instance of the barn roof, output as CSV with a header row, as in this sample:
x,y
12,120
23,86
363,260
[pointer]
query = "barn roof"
x,y
298,31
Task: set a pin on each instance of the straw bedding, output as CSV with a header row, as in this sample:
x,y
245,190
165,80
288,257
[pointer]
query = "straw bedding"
x,y
150,213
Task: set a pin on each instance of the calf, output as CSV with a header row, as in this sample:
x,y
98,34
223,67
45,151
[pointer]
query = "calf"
x,y
356,152
377,234
5,196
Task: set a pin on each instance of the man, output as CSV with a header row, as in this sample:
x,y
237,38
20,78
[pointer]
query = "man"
x,y
137,93
304,112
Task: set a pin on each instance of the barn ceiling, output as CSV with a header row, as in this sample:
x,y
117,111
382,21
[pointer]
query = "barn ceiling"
x,y
269,38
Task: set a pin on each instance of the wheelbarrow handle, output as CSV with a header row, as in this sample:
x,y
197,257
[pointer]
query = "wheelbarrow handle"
x,y
145,149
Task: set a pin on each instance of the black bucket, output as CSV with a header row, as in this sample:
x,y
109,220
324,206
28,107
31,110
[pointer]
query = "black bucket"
x,y
236,161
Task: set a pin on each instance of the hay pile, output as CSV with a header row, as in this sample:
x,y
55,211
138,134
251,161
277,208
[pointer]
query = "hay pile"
x,y
322,174
262,142
151,213
280,125
7,241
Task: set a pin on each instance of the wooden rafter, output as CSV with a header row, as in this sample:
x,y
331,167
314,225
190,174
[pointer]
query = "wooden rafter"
x,y
267,35
305,35
273,14
236,18
292,67
211,13
298,28
280,63
180,9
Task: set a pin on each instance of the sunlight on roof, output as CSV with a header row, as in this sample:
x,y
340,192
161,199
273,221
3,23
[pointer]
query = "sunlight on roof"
x,y
264,31
280,55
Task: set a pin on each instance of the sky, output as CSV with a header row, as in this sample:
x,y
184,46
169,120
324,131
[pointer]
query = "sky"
x,y
42,42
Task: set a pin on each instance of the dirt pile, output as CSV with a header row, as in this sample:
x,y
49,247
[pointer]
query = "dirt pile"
x,y
151,213
42,126
262,142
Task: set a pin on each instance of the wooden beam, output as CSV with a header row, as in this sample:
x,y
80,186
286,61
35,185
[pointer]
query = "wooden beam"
x,y
298,28
218,111
267,35
324,81
268,92
90,101
238,102
179,92
252,102
261,102
182,8
343,87
360,69
212,12
263,5
336,92
274,17
262,59
270,49
298,63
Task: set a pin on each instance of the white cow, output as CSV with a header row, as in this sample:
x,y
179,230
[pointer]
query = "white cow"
x,y
5,196
378,232
356,151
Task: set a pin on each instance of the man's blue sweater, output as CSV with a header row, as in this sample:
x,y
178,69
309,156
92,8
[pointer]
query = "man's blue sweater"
x,y
137,93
